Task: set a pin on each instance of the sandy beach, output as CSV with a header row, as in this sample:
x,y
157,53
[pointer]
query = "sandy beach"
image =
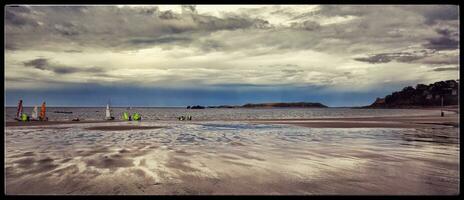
x,y
275,156
450,119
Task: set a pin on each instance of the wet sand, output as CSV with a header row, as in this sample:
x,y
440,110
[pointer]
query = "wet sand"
x,y
371,122
47,123
271,157
450,119
122,128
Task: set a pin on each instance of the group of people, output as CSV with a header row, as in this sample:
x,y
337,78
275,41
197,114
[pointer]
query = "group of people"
x,y
35,116
183,118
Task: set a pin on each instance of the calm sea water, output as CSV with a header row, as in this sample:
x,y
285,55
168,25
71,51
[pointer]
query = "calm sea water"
x,y
219,114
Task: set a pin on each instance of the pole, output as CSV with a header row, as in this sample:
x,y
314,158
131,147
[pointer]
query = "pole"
x,y
442,114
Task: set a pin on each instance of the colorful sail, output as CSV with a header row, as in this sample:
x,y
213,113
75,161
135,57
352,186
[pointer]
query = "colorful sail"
x,y
34,114
42,112
136,117
20,109
125,116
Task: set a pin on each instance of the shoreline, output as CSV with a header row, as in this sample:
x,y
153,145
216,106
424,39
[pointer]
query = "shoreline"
x,y
424,121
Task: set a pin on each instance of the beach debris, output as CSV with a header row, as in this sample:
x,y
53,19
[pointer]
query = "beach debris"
x,y
75,120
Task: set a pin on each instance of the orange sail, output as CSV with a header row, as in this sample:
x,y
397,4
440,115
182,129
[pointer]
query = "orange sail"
x,y
42,112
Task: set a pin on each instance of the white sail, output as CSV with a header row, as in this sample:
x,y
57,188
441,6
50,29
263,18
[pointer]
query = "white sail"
x,y
108,111
35,113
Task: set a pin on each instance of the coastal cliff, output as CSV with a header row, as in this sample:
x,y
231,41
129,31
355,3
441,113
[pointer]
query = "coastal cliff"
x,y
421,96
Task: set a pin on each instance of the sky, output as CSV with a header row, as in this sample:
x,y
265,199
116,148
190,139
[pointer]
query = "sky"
x,y
179,55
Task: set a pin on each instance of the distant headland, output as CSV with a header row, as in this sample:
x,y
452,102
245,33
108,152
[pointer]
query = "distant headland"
x,y
431,95
267,105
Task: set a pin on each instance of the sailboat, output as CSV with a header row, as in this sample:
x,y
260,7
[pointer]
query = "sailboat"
x,y
19,111
35,114
108,113
42,116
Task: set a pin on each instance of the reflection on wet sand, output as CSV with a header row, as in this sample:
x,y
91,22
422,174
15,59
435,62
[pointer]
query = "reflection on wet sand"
x,y
231,158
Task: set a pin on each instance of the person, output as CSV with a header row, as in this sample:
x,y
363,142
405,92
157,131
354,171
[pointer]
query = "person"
x,y
190,117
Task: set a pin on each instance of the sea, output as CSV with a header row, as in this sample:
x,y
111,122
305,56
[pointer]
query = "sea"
x,y
151,113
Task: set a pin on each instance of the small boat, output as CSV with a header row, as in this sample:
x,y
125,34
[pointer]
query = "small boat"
x,y
19,112
20,116
108,113
35,114
136,117
126,116
42,116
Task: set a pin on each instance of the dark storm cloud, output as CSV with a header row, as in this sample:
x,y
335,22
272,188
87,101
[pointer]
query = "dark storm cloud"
x,y
44,64
111,27
167,15
430,57
19,16
39,63
388,57
128,28
431,14
444,12
442,43
162,40
448,40
446,69
307,25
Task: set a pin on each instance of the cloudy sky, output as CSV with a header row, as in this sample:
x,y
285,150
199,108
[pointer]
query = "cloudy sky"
x,y
338,55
